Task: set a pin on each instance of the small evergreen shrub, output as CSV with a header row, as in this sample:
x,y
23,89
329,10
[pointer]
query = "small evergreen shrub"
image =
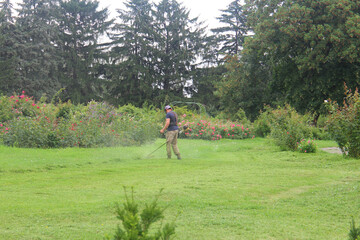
x,y
354,233
136,225
344,123
306,146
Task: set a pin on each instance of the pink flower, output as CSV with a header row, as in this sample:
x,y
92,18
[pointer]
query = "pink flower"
x,y
23,92
38,107
184,115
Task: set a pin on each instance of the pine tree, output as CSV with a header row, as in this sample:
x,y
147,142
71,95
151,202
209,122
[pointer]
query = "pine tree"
x,y
8,56
131,69
179,45
81,25
232,35
37,31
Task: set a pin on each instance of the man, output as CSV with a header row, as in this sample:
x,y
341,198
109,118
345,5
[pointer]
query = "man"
x,y
172,132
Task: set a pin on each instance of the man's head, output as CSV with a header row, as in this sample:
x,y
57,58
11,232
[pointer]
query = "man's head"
x,y
167,108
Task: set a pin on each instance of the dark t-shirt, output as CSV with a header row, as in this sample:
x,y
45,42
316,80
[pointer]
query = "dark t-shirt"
x,y
173,124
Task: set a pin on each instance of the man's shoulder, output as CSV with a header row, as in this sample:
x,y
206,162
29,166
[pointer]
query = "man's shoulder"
x,y
170,114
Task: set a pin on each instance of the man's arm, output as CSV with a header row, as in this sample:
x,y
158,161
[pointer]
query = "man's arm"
x,y
167,123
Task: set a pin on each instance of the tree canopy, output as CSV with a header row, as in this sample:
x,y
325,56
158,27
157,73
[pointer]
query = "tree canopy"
x,y
274,52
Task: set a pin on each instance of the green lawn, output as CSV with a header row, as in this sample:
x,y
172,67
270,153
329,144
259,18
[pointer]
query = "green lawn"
x,y
245,189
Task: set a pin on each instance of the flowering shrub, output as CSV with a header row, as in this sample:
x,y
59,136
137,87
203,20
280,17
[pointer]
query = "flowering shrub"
x,y
306,146
16,106
31,124
288,128
214,130
262,125
344,123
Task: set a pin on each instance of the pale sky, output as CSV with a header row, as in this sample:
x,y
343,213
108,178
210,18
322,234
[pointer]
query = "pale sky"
x,y
206,10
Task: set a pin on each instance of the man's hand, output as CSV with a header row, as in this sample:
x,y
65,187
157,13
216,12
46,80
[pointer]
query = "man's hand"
x,y
162,131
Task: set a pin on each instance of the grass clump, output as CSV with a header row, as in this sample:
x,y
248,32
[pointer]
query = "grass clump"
x,y
354,233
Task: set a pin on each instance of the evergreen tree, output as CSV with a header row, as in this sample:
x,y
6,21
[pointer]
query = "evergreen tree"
x,y
8,56
179,43
37,31
155,52
131,69
81,25
231,36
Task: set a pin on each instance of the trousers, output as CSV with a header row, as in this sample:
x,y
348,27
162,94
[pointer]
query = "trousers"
x,y
171,141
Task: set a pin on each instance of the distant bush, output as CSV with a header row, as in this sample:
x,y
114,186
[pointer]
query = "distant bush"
x,y
306,146
214,129
284,125
344,123
138,226
263,124
26,123
238,116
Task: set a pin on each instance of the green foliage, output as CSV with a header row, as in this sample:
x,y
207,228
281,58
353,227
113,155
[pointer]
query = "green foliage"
x,y
155,47
131,110
310,47
138,226
354,233
199,127
184,112
287,127
238,116
64,110
306,146
26,124
232,34
344,123
16,106
262,124
237,91
38,56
